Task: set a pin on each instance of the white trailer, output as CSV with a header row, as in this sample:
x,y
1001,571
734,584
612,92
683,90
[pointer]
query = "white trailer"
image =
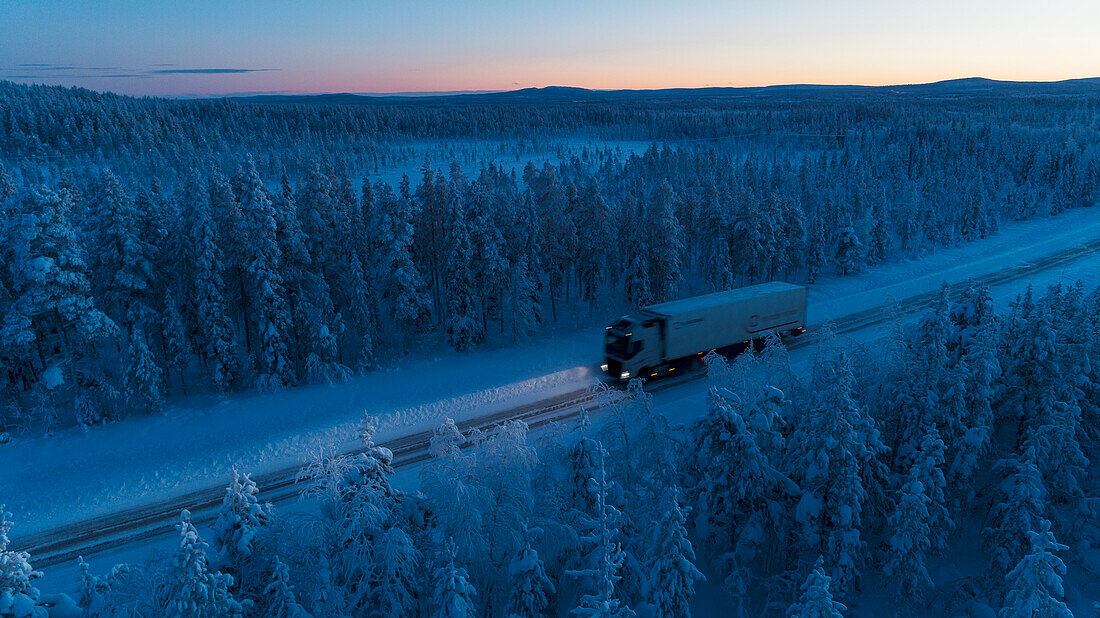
x,y
662,339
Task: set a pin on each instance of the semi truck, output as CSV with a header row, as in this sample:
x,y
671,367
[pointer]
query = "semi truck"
x,y
667,338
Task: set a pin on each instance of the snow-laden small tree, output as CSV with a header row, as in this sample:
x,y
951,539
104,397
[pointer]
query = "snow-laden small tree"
x,y
531,589
909,543
671,560
1034,586
16,573
241,521
816,600
849,250
1020,505
189,588
455,494
143,380
393,575
279,597
452,593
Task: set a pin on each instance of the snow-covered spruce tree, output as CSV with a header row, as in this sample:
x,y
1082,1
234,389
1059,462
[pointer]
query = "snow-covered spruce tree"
x,y
266,303
189,588
48,281
121,258
736,489
464,329
279,597
602,557
667,244
403,289
394,574
490,266
595,225
531,589
816,600
1034,586
716,263
909,543
636,287
1020,505
927,469
817,258
849,250
143,381
177,348
671,561
452,594
1057,448
241,521
201,264
526,305
835,452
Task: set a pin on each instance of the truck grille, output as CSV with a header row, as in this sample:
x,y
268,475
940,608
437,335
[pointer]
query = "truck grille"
x,y
614,367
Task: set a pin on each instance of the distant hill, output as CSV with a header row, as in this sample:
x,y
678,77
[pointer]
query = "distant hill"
x,y
966,87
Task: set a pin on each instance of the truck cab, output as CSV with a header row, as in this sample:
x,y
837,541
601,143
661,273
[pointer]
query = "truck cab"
x,y
632,344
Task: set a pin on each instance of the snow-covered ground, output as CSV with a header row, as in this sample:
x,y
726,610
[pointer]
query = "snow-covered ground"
x,y
195,443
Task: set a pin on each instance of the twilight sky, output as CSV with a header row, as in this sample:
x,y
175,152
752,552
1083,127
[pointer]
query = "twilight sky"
x,y
200,47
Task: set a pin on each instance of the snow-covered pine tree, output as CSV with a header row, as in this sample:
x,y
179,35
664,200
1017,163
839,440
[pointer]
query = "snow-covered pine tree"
x,y
835,449
177,348
464,329
526,305
1034,586
816,600
602,556
121,259
279,598
452,593
849,250
201,266
531,589
909,543
667,245
636,285
143,380
48,280
1020,504
266,297
189,588
817,257
16,573
402,285
241,521
394,574
671,560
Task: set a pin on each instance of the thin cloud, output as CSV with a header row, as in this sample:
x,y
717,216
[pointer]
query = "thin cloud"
x,y
207,71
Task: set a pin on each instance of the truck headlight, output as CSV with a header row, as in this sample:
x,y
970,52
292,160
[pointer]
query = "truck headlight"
x,y
603,367
624,375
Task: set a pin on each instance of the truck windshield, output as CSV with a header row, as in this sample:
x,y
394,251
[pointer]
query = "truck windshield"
x,y
618,345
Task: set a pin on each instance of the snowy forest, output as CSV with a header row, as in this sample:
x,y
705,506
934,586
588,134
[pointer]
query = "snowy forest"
x,y
155,248
948,469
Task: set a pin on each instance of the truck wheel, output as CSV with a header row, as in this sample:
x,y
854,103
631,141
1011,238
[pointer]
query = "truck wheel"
x,y
644,374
